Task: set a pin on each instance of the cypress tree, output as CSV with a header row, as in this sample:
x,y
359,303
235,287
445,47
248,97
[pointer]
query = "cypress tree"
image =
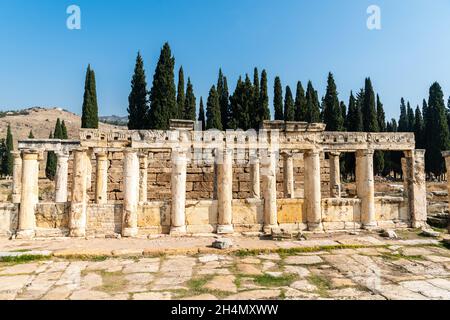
x,y
368,108
222,91
64,131
300,103
189,103
180,95
213,118
332,112
289,111
201,114
50,167
379,155
312,104
163,105
2,156
89,117
137,99
31,135
278,99
381,117
264,111
250,113
343,108
241,105
437,131
410,116
353,123
255,118
419,129
403,125
8,160
58,133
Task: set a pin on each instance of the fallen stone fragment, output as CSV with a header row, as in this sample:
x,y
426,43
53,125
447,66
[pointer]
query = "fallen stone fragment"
x,y
430,233
222,243
389,233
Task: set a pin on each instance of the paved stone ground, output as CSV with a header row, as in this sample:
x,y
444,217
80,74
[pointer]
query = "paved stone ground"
x,y
393,270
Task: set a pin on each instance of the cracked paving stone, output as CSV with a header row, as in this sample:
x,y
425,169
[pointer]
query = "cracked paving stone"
x,y
269,256
89,295
14,283
140,278
291,294
152,296
397,292
140,267
91,280
300,271
250,261
249,269
303,285
208,258
26,268
303,260
222,283
412,251
58,293
426,289
256,295
206,296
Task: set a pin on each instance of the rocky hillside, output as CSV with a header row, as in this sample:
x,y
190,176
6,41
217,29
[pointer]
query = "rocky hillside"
x,y
42,121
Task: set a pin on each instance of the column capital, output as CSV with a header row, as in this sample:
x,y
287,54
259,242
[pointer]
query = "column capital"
x,y
365,152
30,154
313,152
334,153
101,154
62,154
16,154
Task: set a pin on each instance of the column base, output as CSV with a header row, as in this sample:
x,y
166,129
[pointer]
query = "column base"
x,y
25,234
129,232
370,226
77,233
314,226
178,231
419,224
225,228
268,228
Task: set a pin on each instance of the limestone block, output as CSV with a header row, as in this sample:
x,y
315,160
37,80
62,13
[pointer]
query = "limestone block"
x,y
248,212
153,214
291,211
201,212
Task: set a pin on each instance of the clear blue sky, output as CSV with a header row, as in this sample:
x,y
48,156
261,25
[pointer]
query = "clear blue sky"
x,y
42,63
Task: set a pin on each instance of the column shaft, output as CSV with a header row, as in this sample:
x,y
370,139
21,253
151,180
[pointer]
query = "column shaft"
x,y
365,187
17,177
101,187
225,191
255,178
335,175
178,186
131,193
29,196
143,167
62,170
312,190
268,172
79,197
288,175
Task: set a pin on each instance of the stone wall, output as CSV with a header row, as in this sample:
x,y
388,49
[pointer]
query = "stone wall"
x,y
8,219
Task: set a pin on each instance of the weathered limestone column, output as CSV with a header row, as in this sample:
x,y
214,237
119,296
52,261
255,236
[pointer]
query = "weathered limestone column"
x,y
255,178
335,175
131,193
143,167
446,155
62,171
79,197
29,197
288,175
17,177
313,197
225,191
413,165
365,187
101,187
269,170
178,185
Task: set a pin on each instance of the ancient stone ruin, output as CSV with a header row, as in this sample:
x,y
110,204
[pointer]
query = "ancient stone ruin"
x,y
183,180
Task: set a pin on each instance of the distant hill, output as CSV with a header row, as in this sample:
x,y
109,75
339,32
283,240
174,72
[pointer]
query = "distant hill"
x,y
42,121
114,120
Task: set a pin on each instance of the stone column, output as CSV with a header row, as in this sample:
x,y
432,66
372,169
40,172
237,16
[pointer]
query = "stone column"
x,y
79,197
313,200
62,171
365,187
269,170
446,155
288,175
255,178
30,194
225,191
413,165
101,187
17,177
131,193
143,167
178,186
335,175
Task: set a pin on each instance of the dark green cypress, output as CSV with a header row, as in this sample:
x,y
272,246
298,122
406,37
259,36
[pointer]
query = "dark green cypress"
x,y
213,118
224,99
437,131
2,156
201,114
289,111
419,129
58,133
50,167
403,125
31,135
300,103
410,117
312,104
163,104
249,111
189,103
369,109
255,114
7,159
332,112
278,99
264,111
379,156
353,123
181,97
137,99
65,135
381,116
89,117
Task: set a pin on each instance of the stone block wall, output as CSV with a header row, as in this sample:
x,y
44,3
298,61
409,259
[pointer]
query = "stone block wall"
x,y
8,219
